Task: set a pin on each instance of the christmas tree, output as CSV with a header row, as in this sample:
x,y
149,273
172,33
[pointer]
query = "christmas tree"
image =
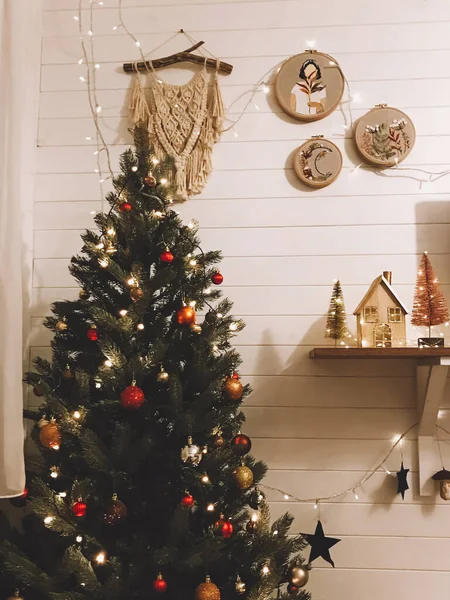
x,y
429,307
336,328
143,485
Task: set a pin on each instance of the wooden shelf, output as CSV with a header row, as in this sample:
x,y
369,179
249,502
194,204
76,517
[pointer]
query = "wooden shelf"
x,y
416,353
432,369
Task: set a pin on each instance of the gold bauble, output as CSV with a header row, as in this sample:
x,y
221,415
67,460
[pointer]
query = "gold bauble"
x,y
49,436
195,328
136,294
162,376
298,576
243,477
240,586
207,591
83,294
233,388
61,326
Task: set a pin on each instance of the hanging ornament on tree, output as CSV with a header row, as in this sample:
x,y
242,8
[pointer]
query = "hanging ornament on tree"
x,y
298,576
320,545
136,294
218,441
402,481
223,527
207,590
162,376
196,328
79,508
61,325
217,278
292,589
239,586
83,294
92,333
116,512
243,477
233,387
150,180
160,585
252,525
166,256
125,207
187,500
16,596
241,444
67,373
132,396
186,316
50,435
255,498
191,454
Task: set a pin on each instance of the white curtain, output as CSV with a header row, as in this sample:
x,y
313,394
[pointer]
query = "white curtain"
x,y
20,34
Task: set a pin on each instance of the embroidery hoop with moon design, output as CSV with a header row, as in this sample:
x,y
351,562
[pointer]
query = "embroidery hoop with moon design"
x,y
318,162
385,135
310,85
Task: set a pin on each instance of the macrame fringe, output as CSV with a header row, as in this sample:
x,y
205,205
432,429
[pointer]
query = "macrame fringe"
x,y
139,112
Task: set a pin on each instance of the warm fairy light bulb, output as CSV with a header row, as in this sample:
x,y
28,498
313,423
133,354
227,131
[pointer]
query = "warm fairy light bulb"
x,y
80,62
219,315
275,532
140,326
311,43
286,496
163,181
134,169
79,539
316,506
77,414
100,558
98,385
108,363
54,472
100,246
103,263
97,66
265,570
205,478
210,507
98,109
155,161
192,303
55,447
266,88
190,225
233,326
48,520
254,517
90,32
138,44
62,494
207,291
193,262
356,495
82,79
111,231
131,281
215,348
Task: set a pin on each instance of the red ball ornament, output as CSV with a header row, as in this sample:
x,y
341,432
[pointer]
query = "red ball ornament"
x,y
132,396
166,256
79,508
241,444
92,333
186,316
223,527
187,500
125,207
217,278
160,585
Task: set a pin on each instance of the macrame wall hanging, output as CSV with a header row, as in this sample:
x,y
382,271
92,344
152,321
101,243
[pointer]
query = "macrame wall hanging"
x,y
183,121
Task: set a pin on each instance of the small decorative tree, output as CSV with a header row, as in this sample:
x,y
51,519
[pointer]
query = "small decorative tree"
x,y
430,307
337,318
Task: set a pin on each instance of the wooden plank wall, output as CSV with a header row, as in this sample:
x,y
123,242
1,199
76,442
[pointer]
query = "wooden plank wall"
x,y
319,425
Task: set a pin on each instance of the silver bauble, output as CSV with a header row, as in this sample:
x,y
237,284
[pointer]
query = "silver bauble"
x,y
240,586
191,454
298,576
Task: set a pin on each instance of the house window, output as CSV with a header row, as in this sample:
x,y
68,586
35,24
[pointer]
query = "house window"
x,y
395,315
382,336
370,314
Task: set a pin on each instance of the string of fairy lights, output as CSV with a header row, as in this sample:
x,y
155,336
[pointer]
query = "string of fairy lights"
x,y
89,78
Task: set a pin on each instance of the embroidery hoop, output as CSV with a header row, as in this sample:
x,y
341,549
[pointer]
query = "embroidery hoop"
x,y
299,168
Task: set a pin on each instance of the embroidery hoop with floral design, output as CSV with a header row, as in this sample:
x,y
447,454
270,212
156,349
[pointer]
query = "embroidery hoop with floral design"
x,y
385,136
310,85
317,162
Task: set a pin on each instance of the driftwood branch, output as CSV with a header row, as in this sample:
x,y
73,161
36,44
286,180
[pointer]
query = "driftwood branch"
x,y
184,56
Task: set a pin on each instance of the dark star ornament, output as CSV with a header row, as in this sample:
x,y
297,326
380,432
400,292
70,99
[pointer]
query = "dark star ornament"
x,y
320,544
402,479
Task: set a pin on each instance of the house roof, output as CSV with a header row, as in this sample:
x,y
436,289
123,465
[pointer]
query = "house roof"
x,y
390,290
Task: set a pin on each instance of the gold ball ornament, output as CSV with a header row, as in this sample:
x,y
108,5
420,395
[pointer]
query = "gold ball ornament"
x,y
61,325
233,387
207,591
162,376
50,435
136,294
240,586
243,477
298,575
195,328
82,294
186,316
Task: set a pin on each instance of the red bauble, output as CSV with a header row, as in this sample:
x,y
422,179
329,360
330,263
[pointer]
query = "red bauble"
x,y
241,444
186,316
187,500
223,527
132,397
217,278
125,207
160,585
92,334
79,509
167,256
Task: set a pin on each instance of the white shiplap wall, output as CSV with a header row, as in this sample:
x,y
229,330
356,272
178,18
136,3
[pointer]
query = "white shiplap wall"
x,y
320,426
